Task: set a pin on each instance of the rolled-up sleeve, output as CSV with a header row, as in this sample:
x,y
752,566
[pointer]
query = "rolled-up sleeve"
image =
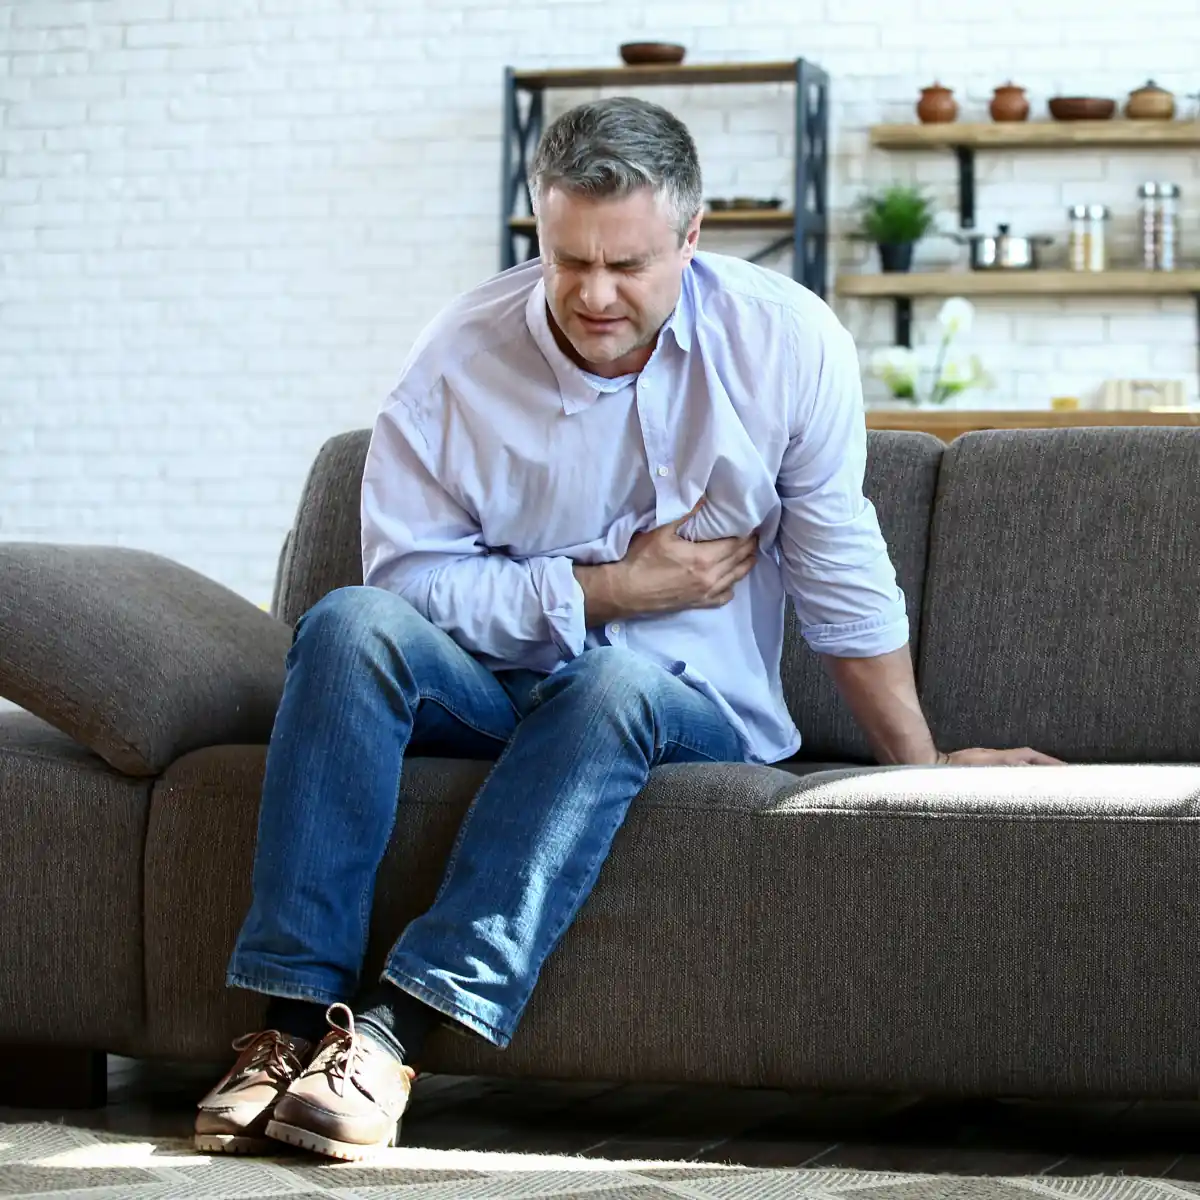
x,y
835,562
421,543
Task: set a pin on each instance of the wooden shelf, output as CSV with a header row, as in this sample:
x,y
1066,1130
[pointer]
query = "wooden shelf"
x,y
1021,283
775,218
683,75
1016,134
948,424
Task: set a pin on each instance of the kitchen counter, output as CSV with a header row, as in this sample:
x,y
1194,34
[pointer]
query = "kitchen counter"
x,y
948,424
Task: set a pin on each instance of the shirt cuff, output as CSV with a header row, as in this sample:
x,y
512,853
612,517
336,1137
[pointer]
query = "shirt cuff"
x,y
563,604
867,638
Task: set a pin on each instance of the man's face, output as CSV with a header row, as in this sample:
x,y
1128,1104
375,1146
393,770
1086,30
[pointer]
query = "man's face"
x,y
613,270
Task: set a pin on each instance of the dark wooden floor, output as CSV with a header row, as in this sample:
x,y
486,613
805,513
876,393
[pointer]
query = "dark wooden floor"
x,y
754,1128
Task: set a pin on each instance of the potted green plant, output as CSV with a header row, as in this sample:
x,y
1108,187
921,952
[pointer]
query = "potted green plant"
x,y
895,219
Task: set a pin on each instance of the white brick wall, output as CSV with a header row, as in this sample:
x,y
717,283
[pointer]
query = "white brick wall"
x,y
223,221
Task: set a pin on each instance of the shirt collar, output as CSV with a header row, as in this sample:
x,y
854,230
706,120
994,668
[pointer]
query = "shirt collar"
x,y
683,319
575,387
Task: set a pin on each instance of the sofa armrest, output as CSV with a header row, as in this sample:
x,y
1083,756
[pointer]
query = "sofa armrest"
x,y
136,657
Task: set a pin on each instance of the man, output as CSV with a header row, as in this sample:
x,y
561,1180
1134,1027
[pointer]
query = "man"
x,y
583,510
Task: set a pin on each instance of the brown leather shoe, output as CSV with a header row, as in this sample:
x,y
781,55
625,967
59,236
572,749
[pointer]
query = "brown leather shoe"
x,y
234,1115
346,1105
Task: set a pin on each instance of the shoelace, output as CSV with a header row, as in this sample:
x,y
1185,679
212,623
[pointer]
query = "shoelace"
x,y
272,1052
348,1052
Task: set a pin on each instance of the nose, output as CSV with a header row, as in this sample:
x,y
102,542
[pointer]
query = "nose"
x,y
598,292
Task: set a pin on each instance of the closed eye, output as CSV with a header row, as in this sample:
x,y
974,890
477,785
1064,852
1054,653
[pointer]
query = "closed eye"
x,y
624,266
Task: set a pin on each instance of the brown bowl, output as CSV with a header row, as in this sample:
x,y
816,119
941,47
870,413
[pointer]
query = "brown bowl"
x,y
644,54
1081,108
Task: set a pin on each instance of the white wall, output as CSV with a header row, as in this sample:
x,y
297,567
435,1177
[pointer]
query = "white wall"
x,y
222,221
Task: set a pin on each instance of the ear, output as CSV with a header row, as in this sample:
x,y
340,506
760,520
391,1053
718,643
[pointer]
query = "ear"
x,y
691,238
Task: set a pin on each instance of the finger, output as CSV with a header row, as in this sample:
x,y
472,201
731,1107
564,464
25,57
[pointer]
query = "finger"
x,y
722,553
1038,759
675,525
739,550
733,575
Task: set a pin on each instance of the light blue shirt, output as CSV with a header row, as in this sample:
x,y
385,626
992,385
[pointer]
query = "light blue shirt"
x,y
497,463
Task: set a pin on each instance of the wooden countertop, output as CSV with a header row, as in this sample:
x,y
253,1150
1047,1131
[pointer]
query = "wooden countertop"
x,y
948,424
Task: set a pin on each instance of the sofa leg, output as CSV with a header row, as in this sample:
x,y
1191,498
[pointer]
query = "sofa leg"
x,y
45,1077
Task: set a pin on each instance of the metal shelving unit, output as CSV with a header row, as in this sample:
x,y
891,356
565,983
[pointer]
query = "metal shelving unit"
x,y
804,227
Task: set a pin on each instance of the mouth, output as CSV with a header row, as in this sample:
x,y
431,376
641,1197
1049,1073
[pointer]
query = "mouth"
x,y
599,324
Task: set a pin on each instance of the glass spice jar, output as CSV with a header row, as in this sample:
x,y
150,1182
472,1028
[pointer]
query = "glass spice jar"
x,y
1077,243
1097,240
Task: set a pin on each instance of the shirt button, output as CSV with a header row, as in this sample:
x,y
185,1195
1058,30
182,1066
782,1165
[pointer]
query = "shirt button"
x,y
615,627
664,471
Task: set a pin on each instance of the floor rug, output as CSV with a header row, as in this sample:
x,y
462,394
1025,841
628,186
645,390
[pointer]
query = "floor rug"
x,y
58,1162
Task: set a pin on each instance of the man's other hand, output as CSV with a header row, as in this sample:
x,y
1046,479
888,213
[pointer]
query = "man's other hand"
x,y
979,757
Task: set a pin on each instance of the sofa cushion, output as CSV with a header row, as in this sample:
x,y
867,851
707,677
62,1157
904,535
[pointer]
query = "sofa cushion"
x,y
901,476
937,930
71,831
134,656
902,472
199,858
1060,607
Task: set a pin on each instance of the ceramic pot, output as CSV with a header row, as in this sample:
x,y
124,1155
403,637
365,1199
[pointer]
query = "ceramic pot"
x,y
1150,103
896,256
1009,103
937,105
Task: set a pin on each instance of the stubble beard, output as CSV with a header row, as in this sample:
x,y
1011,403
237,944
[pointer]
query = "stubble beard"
x,y
638,341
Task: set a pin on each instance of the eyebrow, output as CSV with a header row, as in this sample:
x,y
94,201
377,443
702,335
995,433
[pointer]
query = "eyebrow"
x,y
574,260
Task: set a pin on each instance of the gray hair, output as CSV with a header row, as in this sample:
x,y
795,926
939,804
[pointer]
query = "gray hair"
x,y
613,147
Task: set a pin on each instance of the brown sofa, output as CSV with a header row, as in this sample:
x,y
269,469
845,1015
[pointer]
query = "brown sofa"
x,y
820,924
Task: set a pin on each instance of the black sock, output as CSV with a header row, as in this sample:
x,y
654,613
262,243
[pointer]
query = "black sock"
x,y
397,1021
299,1018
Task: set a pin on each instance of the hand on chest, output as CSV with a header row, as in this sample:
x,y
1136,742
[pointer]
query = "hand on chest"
x,y
582,484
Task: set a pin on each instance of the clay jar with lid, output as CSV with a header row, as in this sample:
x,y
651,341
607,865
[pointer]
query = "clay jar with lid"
x,y
1150,103
937,105
1009,103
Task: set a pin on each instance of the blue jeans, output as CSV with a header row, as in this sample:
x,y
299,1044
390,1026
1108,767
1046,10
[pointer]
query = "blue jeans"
x,y
368,679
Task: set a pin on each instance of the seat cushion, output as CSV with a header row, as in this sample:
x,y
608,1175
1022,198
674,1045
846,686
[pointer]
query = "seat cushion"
x,y
952,931
941,930
1060,608
71,836
199,859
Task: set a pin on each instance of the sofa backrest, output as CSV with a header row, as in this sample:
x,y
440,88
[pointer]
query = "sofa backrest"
x,y
902,474
322,553
324,549
1061,596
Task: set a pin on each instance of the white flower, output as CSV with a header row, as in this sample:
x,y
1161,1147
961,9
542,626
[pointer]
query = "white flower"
x,y
957,371
956,316
895,361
